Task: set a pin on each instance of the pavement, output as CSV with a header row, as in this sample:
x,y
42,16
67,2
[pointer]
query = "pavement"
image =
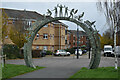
x,y
60,67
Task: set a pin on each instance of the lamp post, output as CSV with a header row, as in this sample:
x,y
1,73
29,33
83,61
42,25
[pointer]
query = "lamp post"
x,y
77,42
89,47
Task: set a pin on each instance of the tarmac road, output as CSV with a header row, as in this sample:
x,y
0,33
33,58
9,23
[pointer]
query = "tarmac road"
x,y
60,67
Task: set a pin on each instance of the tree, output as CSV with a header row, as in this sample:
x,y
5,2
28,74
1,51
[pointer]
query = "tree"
x,y
111,9
3,25
3,31
18,33
105,39
17,37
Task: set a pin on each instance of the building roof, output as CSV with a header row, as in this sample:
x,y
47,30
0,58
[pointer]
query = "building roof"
x,y
12,13
74,32
23,14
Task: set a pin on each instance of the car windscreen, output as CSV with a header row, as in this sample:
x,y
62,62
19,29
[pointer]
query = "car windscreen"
x,y
62,51
107,49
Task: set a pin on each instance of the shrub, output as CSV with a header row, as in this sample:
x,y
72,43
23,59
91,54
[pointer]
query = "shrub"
x,y
49,53
71,50
11,51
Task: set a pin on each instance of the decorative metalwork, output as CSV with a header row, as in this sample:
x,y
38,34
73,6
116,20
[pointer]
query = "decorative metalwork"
x,y
72,12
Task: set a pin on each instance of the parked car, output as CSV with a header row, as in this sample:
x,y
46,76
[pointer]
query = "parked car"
x,y
62,53
79,52
43,53
84,51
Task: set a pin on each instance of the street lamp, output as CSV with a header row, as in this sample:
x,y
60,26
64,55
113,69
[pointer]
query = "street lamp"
x,y
77,42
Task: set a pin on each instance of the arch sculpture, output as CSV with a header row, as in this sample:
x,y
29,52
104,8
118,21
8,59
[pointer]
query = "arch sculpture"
x,y
86,26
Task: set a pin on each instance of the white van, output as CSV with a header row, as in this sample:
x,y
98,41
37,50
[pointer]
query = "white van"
x,y
108,51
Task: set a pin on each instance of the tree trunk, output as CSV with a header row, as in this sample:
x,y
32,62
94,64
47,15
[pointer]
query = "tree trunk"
x,y
116,61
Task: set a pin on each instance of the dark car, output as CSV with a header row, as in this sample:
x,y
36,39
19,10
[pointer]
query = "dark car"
x,y
84,51
43,53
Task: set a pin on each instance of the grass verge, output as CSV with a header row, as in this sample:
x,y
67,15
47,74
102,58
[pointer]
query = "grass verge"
x,y
11,70
102,72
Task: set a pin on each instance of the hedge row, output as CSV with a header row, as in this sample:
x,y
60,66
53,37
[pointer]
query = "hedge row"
x,y
13,52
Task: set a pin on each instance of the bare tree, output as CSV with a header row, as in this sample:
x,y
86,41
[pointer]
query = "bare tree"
x,y
111,9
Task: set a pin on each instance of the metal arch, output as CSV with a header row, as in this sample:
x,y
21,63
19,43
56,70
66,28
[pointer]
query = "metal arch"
x,y
94,39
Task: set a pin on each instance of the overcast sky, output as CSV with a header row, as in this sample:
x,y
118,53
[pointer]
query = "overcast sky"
x,y
89,8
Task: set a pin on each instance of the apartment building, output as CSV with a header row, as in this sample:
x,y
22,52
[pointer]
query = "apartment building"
x,y
50,37
73,38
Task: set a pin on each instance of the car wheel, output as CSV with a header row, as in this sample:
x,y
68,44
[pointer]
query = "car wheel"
x,y
68,54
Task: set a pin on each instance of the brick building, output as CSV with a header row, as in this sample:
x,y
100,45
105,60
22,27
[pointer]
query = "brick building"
x,y
50,37
73,38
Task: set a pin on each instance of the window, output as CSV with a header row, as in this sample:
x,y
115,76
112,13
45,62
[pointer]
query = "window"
x,y
46,25
65,32
65,37
37,47
45,36
6,36
37,35
50,36
65,41
29,23
13,21
45,48
53,36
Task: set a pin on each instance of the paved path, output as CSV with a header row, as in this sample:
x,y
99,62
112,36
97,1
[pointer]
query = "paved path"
x,y
60,67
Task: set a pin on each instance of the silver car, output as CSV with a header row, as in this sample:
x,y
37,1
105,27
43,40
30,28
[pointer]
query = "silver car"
x,y
62,53
79,52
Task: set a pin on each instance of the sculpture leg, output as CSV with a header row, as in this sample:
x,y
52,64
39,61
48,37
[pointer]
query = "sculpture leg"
x,y
96,54
28,55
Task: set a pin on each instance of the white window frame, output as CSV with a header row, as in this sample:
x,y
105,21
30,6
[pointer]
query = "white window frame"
x,y
37,35
45,48
53,36
46,36
37,47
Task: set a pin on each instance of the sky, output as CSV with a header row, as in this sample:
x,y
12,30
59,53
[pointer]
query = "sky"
x,y
40,6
